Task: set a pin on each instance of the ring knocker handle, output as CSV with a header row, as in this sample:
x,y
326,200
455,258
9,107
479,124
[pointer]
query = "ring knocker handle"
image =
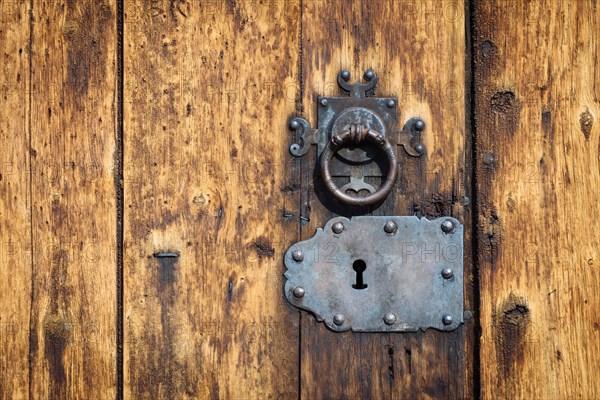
x,y
358,134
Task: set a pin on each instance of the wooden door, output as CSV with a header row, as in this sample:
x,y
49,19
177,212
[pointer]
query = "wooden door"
x,y
148,195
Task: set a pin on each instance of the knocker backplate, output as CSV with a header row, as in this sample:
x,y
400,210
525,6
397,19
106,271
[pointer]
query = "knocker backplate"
x,y
411,279
335,114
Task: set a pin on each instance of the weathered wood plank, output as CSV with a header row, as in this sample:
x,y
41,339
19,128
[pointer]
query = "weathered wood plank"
x,y
209,88
418,51
73,312
15,225
538,180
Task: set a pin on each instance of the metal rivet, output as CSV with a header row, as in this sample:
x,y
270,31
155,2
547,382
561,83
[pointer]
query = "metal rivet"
x,y
390,227
324,102
339,319
420,148
488,158
447,319
389,319
447,226
447,273
345,74
369,75
294,125
338,227
390,103
297,255
299,292
419,125
167,254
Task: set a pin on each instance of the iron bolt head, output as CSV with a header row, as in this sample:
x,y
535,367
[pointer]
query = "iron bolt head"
x,y
447,226
420,148
294,125
447,319
419,125
339,319
369,75
488,158
345,74
338,227
390,227
297,255
447,273
390,103
389,319
324,102
299,292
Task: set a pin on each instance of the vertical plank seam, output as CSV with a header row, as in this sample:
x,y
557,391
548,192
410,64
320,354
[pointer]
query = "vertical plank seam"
x,y
119,193
300,108
471,102
32,332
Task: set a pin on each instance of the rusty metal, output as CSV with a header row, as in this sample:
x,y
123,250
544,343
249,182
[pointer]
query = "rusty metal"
x,y
410,137
166,255
357,134
307,136
356,163
372,273
401,286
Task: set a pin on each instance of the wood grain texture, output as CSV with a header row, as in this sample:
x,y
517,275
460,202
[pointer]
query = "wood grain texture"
x,y
538,180
418,51
72,339
208,90
213,198
15,226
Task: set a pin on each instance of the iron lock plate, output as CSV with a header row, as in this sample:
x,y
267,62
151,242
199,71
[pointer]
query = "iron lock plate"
x,y
372,273
380,274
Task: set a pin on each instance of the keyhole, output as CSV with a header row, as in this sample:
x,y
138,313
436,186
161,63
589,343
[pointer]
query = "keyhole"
x,y
359,266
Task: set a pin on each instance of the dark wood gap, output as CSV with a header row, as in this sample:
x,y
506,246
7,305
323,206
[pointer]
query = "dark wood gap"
x,y
32,332
471,129
119,192
297,174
